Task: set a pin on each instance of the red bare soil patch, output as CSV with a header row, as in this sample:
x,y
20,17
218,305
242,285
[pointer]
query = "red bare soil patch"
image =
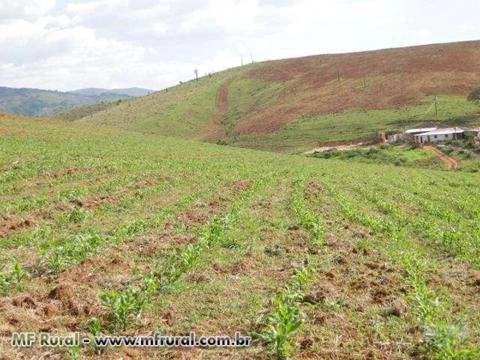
x,y
214,128
368,80
66,302
9,225
68,171
94,201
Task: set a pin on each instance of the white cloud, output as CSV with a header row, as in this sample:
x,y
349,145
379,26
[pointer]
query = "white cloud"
x,y
68,44
28,9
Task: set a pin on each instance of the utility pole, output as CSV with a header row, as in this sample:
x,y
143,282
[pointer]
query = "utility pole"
x,y
436,107
196,74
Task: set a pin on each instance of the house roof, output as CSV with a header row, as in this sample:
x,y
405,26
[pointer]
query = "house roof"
x,y
455,130
421,130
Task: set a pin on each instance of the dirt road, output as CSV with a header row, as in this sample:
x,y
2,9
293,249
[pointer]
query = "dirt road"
x,y
214,128
334,147
451,163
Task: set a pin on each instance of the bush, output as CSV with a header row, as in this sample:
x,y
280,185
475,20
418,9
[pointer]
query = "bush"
x,y
447,150
400,162
474,96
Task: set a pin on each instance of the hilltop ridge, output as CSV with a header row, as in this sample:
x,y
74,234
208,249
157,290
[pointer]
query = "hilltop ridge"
x,y
292,104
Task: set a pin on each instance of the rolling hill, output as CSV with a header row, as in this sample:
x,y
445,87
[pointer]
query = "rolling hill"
x,y
132,92
294,104
111,232
36,102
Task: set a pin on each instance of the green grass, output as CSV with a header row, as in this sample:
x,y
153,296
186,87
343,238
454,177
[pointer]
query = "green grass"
x,y
182,111
158,233
386,154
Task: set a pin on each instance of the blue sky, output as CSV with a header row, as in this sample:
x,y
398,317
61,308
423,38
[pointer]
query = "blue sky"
x,y
64,45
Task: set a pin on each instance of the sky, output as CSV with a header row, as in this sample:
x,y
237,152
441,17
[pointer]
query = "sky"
x,y
66,44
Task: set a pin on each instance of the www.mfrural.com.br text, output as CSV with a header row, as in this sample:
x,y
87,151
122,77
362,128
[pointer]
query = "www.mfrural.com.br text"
x,y
155,340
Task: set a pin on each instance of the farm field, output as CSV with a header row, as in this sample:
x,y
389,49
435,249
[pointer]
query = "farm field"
x,y
107,231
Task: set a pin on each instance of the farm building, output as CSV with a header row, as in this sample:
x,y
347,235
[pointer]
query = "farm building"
x,y
394,138
407,135
420,130
439,135
410,133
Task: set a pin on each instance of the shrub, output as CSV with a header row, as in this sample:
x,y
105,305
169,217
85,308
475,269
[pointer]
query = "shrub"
x,y
474,96
400,161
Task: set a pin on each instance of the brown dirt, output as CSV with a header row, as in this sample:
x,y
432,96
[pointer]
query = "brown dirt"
x,y
335,147
241,185
214,129
234,269
66,172
368,80
8,225
451,163
94,201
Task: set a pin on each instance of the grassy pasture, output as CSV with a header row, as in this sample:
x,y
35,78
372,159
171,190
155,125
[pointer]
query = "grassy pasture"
x,y
310,130
386,154
115,232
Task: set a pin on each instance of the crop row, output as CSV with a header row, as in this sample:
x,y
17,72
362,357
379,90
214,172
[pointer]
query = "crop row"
x,y
286,316
444,340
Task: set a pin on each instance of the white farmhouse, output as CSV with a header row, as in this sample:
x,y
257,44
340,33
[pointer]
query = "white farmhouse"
x,y
439,135
413,132
409,135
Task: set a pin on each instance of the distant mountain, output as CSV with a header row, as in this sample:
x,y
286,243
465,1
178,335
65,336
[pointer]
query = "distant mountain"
x,y
133,92
37,102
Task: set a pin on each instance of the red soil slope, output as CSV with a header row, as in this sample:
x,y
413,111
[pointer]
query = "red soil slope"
x,y
214,128
367,80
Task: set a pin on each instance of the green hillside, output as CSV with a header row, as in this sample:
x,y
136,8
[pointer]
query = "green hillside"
x,y
107,231
294,104
182,111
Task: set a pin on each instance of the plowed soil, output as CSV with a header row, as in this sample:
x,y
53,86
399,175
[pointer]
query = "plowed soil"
x,y
368,80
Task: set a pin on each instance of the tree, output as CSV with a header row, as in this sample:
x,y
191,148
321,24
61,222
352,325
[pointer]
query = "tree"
x,y
474,96
196,74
